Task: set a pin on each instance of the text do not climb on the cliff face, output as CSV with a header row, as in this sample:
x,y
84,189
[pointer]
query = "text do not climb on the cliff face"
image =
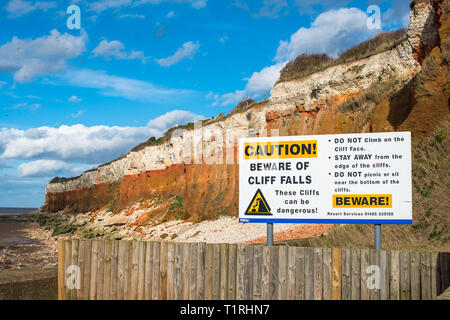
x,y
343,178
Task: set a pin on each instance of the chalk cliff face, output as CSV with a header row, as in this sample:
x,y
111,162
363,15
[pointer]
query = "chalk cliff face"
x,y
399,89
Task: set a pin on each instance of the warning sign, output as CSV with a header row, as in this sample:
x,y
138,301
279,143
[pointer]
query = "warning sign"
x,y
258,205
343,178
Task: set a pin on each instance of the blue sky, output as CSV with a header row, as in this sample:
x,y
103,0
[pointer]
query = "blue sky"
x,y
73,99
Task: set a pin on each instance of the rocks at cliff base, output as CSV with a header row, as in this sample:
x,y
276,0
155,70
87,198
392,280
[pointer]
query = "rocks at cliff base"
x,y
117,221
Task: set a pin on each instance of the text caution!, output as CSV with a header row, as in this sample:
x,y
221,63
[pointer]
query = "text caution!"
x,y
280,150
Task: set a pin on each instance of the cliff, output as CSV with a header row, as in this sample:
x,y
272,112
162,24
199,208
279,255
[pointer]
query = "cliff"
x,y
405,88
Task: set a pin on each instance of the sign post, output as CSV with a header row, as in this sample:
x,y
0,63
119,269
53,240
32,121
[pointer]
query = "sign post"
x,y
361,178
270,234
377,236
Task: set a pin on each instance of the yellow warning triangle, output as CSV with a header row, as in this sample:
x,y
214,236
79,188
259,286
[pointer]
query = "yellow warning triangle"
x,y
258,205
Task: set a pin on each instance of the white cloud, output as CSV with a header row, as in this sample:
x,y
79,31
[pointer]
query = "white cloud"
x,y
25,105
265,79
75,99
331,32
173,118
17,8
42,168
114,86
82,144
259,83
116,49
50,168
28,58
127,15
102,5
187,51
107,50
170,14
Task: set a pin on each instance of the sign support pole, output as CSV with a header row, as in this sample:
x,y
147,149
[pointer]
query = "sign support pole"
x,y
270,234
377,238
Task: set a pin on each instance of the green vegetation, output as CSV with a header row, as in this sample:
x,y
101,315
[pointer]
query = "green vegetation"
x,y
114,195
176,208
373,94
303,65
306,64
150,142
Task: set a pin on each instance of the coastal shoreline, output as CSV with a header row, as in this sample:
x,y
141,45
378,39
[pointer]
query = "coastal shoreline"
x,y
24,244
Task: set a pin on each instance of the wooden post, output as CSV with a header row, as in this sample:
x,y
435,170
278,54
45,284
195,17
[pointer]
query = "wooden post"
x,y
148,270
100,267
434,275
209,255
394,281
248,268
327,274
114,269
291,266
318,273
232,271
141,271
170,271
309,273
216,272
87,269
425,275
223,271
365,263
265,273
156,276
415,275
257,272
193,264
163,271
356,274
300,274
274,265
405,280
178,292
374,260
201,271
81,257
93,283
336,269
107,271
61,270
240,260
384,270
346,275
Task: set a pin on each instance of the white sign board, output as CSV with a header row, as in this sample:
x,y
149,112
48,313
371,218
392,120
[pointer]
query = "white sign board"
x,y
341,178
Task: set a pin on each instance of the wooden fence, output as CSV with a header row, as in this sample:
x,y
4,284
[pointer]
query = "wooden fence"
x,y
106,269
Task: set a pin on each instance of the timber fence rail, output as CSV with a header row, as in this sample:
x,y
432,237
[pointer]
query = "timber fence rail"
x,y
111,269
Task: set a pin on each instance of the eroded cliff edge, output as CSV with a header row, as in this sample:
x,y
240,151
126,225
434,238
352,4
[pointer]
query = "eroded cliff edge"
x,y
405,89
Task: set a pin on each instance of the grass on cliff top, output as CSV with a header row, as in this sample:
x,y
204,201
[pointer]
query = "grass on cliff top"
x,y
431,206
306,64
